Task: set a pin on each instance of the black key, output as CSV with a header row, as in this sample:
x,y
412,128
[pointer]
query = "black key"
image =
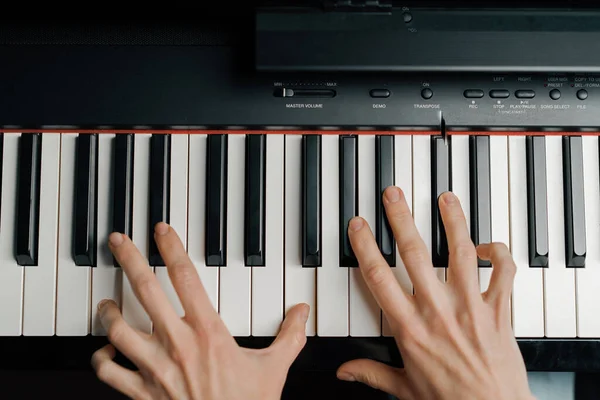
x,y
216,201
311,201
28,199
348,197
481,197
123,185
254,205
86,200
575,244
384,177
441,174
537,194
160,191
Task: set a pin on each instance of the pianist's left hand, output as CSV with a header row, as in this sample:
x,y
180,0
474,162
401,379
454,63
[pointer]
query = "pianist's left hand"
x,y
193,357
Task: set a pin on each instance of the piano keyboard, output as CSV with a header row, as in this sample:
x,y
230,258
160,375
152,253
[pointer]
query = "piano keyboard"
x,y
264,216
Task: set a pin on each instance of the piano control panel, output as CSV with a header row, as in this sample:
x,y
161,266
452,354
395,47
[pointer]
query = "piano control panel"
x,y
204,87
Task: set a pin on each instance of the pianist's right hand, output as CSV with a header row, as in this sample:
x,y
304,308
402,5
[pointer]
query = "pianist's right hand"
x,y
456,343
190,358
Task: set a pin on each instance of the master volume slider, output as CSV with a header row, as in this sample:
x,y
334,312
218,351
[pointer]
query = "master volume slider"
x,y
287,92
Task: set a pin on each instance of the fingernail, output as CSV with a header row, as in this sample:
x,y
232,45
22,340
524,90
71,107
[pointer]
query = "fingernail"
x,y
356,223
344,376
102,304
449,198
392,194
162,228
115,239
304,313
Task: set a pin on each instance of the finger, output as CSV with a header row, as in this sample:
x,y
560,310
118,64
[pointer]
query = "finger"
x,y
412,248
462,265
503,271
378,376
122,336
375,270
128,382
292,336
186,281
144,283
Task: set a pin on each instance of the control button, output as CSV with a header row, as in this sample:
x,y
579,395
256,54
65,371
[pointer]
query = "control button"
x,y
555,94
379,93
525,94
407,17
582,94
473,93
426,93
499,94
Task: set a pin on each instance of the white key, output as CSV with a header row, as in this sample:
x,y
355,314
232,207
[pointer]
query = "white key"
x,y
422,193
559,281
133,312
365,314
403,175
267,281
235,277
196,218
106,279
332,280
300,283
178,211
11,274
588,278
73,291
528,293
499,199
39,295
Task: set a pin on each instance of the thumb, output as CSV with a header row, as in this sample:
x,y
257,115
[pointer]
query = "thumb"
x,y
292,336
377,375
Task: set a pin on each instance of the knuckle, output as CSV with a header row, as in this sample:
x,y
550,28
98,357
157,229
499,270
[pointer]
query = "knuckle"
x,y
183,274
374,274
145,286
116,331
300,339
412,253
465,250
400,214
103,371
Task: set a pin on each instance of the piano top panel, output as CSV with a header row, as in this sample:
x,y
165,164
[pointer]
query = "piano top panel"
x,y
197,88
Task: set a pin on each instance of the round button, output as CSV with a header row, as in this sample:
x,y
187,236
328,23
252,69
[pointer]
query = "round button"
x,y
407,17
555,94
582,94
426,93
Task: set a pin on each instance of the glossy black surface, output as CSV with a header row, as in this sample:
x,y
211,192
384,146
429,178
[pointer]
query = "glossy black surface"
x,y
348,195
124,156
441,181
574,200
86,201
216,200
319,354
311,201
440,39
254,204
481,201
159,192
28,199
384,177
537,208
